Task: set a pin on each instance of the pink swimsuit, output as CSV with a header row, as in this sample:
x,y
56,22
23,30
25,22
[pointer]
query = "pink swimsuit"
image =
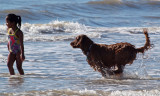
x,y
14,42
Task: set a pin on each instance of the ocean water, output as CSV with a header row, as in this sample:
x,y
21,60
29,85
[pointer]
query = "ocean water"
x,y
53,68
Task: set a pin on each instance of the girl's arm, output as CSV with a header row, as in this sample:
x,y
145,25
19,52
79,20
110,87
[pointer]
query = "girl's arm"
x,y
8,45
20,35
8,42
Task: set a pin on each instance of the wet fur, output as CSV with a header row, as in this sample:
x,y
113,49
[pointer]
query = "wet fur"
x,y
109,59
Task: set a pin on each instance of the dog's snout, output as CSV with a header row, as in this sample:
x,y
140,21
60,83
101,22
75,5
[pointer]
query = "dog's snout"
x,y
71,43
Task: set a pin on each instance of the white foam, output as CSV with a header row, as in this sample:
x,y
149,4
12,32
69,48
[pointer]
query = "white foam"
x,y
86,92
68,26
53,31
136,93
53,27
62,30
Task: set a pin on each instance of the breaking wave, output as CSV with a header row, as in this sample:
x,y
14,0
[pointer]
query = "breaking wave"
x,y
63,30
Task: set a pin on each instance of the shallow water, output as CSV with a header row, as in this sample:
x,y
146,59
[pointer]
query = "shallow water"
x,y
56,68
53,68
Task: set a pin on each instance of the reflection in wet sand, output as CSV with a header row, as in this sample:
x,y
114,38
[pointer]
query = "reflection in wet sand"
x,y
16,81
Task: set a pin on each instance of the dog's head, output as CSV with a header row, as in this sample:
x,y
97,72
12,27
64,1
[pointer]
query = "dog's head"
x,y
80,41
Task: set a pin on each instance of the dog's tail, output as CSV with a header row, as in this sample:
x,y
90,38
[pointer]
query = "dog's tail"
x,y
147,44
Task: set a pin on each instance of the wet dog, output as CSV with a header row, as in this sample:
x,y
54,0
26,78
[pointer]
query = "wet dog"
x,y
109,59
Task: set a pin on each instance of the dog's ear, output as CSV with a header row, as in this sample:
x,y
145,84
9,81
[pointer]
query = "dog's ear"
x,y
82,40
79,40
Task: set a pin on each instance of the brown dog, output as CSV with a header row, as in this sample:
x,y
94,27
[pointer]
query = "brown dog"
x,y
109,59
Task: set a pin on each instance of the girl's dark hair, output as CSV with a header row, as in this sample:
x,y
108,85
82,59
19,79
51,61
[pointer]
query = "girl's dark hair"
x,y
14,18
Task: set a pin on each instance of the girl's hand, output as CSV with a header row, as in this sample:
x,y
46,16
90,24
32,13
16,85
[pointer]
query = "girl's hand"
x,y
22,58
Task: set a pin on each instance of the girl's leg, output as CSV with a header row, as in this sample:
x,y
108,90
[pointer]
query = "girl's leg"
x,y
19,64
11,59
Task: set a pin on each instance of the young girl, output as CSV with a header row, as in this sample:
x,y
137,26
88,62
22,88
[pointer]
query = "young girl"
x,y
15,43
